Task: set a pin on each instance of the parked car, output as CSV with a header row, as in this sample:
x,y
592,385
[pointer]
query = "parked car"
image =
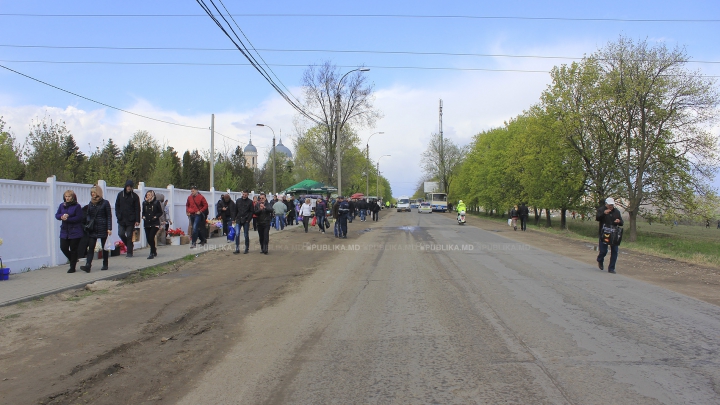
x,y
425,207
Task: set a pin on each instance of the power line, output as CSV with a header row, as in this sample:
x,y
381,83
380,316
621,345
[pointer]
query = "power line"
x,y
281,65
405,16
99,102
487,55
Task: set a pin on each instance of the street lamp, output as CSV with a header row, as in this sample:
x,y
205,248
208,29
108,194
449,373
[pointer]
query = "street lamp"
x,y
377,179
367,165
337,126
273,152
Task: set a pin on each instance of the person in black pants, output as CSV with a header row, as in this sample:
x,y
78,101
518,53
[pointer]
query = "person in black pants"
x,y
243,215
127,211
264,213
71,229
524,212
151,213
607,215
343,214
98,219
225,209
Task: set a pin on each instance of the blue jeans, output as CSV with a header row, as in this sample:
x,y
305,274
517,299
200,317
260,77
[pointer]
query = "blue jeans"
x,y
282,222
362,215
198,221
246,229
613,255
321,222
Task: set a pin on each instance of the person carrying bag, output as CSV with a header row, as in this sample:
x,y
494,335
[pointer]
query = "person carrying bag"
x,y
610,233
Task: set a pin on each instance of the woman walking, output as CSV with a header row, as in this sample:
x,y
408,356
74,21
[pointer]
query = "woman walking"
x,y
151,212
98,224
514,215
71,216
306,212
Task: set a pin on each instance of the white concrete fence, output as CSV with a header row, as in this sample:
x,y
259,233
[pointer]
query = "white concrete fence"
x,y
31,234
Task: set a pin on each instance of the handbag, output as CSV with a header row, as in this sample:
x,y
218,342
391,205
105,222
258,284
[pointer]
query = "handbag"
x,y
91,224
612,235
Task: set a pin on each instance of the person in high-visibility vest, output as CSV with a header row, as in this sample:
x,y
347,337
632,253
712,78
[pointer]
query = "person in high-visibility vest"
x,y
387,204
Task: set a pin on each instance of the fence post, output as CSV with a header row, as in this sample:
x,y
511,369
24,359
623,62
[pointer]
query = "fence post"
x,y
52,235
211,204
141,192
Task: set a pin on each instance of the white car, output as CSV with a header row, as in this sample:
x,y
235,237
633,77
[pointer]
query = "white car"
x,y
403,204
425,207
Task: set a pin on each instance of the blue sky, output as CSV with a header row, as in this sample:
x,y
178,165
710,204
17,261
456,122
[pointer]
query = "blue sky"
x,y
473,100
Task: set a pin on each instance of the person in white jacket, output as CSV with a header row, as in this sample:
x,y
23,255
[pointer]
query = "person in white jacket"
x,y
306,213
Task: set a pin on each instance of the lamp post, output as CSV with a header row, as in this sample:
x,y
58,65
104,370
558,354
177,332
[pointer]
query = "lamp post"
x,y
377,179
273,152
337,126
367,165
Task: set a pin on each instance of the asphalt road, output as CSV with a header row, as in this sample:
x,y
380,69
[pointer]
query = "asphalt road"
x,y
407,318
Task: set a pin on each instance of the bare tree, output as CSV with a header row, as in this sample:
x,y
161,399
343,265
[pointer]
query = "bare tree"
x,y
337,100
441,160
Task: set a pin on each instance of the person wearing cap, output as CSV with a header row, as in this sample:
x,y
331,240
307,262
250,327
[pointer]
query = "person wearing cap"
x,y
127,212
607,216
343,213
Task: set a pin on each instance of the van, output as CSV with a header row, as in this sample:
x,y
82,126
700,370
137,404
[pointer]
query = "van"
x,y
403,204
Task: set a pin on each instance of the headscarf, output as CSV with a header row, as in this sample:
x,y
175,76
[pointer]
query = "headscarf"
x,y
73,201
98,194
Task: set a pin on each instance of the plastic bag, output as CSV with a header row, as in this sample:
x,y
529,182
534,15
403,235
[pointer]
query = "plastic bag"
x,y
314,221
231,234
509,221
109,245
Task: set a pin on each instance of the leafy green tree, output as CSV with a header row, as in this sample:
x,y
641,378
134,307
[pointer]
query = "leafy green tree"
x,y
284,173
167,169
11,165
140,155
315,154
45,155
106,164
195,171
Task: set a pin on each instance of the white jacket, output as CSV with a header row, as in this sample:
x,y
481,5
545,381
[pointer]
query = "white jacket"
x,y
306,210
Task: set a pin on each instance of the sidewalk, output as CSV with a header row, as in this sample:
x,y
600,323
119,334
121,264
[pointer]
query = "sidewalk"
x,y
51,280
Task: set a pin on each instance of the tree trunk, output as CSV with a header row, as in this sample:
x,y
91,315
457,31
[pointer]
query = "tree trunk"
x,y
548,224
563,218
633,225
537,216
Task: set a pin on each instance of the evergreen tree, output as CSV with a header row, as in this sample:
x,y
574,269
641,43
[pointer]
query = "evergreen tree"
x,y
11,165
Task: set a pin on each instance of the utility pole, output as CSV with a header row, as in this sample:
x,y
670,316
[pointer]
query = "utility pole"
x,y
274,160
442,152
212,151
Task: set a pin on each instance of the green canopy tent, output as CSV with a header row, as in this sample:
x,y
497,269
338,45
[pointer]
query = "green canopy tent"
x,y
304,186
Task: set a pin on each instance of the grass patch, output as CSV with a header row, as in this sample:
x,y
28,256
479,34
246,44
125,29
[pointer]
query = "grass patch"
x,y
188,258
11,316
691,243
157,271
86,293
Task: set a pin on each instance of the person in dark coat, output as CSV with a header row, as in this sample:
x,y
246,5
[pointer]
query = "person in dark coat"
x,y
290,211
225,209
607,215
264,213
375,209
151,212
524,212
320,213
362,208
343,215
127,211
244,213
98,222
71,230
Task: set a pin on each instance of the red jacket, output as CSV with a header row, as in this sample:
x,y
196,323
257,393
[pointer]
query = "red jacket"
x,y
195,203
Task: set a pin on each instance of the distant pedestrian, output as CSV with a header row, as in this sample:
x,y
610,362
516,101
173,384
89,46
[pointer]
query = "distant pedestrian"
x,y
254,217
343,214
151,213
196,208
362,209
608,216
280,209
225,209
320,213
375,209
707,224
514,216
264,212
244,211
306,213
290,216
98,224
524,213
718,227
127,211
71,230
165,220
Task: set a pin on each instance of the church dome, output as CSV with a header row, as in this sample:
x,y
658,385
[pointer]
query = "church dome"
x,y
250,148
280,148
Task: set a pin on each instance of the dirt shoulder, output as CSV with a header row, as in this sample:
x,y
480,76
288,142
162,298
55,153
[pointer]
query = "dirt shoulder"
x,y
700,282
144,342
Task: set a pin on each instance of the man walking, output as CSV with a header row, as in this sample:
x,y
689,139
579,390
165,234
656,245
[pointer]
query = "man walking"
x,y
280,209
343,213
243,215
127,212
264,212
320,211
225,208
524,212
362,207
196,208
608,216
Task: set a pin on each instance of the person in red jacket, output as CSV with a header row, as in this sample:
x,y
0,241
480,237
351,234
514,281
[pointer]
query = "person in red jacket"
x,y
196,208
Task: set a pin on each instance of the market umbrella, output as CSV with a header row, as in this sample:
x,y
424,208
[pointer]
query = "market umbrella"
x,y
358,195
305,185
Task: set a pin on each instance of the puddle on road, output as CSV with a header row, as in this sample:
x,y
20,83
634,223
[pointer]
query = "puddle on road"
x,y
408,228
365,230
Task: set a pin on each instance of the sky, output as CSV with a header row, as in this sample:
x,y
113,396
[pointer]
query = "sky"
x,y
480,91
